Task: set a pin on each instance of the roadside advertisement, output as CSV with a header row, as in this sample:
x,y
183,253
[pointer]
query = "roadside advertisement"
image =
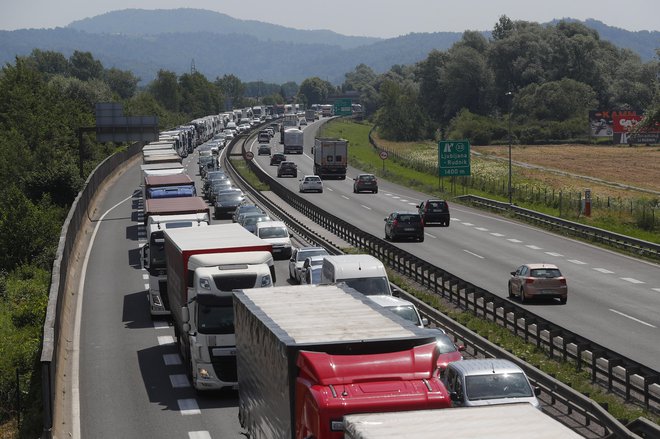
x,y
600,123
624,123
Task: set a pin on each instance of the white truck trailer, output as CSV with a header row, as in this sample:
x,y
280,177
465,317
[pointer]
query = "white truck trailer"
x,y
204,265
506,421
293,141
330,157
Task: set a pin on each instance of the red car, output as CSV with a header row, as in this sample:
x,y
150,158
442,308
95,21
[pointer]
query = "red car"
x,y
448,350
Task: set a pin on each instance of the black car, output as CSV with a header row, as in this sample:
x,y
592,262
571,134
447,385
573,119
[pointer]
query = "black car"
x,y
404,225
227,201
263,150
434,212
365,182
277,158
287,168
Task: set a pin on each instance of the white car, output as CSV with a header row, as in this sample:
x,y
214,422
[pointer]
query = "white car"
x,y
277,234
298,256
310,272
311,183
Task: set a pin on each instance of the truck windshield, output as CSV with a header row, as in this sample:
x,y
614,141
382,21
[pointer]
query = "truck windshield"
x,y
215,315
369,285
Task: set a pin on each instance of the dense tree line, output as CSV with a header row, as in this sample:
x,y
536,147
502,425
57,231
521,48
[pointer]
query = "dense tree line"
x,y
546,78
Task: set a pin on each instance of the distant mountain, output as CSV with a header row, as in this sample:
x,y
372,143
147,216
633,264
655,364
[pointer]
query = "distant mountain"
x,y
141,22
146,41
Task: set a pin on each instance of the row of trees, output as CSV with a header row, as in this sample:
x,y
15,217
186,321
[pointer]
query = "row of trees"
x,y
546,77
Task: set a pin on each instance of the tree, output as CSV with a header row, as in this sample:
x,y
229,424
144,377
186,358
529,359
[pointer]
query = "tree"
x,y
233,89
166,90
122,82
400,118
364,80
431,92
49,62
315,91
555,100
502,28
200,97
83,66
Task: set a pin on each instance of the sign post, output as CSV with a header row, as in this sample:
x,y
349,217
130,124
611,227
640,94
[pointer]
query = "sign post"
x,y
383,157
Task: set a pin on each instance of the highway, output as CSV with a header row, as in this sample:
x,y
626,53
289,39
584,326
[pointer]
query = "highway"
x,y
613,299
130,380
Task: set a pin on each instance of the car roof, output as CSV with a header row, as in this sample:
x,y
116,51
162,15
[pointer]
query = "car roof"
x,y
271,224
485,366
406,212
541,265
310,248
389,301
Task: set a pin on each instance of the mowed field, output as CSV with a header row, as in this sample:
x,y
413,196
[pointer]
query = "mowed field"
x,y
619,166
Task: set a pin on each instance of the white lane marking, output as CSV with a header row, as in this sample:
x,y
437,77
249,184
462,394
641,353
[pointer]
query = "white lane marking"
x,y
179,381
473,254
345,197
199,435
366,207
412,204
75,357
514,240
577,262
632,318
430,236
330,189
631,280
481,229
558,255
656,290
165,339
145,276
468,224
188,406
160,324
396,197
499,235
604,270
456,219
533,247
172,359
146,287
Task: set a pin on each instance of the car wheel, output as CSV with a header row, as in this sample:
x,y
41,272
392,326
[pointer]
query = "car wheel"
x,y
510,292
523,299
421,238
321,191
562,300
354,190
375,191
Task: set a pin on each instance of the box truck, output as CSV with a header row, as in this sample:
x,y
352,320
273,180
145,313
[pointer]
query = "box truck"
x,y
330,157
309,355
293,141
204,265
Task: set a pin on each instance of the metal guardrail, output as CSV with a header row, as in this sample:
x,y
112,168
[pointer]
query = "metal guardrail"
x,y
622,375
636,246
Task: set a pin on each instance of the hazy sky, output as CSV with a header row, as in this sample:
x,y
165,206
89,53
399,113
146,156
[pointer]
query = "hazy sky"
x,y
378,18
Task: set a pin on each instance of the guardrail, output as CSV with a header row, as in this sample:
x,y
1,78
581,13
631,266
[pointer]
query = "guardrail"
x,y
622,375
636,246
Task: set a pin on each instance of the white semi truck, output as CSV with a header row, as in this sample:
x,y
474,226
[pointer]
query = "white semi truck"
x,y
204,265
330,157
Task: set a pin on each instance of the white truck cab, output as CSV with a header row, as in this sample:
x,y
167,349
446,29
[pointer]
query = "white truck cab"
x,y
363,273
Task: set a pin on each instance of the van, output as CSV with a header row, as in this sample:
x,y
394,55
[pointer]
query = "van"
x,y
276,233
363,273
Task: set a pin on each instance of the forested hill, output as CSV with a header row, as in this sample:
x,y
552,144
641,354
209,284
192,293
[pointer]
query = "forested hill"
x,y
216,44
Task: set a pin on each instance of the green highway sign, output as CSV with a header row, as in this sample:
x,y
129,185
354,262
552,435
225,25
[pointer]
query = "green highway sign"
x,y
343,107
454,157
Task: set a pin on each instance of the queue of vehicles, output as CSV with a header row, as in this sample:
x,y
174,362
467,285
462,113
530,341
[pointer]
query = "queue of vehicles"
x,y
302,365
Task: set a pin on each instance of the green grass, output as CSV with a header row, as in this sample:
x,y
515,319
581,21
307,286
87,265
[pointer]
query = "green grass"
x,y
243,169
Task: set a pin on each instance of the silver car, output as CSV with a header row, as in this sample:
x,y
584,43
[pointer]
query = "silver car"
x,y
488,381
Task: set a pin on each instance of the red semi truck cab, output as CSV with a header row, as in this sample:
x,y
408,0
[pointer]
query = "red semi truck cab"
x,y
329,387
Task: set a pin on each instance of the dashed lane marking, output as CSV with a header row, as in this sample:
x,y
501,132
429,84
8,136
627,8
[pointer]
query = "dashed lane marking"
x,y
179,381
604,270
632,280
188,407
576,262
165,339
515,241
557,255
366,207
533,247
473,254
199,435
632,318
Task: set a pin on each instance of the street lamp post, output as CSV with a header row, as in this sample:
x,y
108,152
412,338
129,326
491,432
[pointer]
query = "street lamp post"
x,y
510,96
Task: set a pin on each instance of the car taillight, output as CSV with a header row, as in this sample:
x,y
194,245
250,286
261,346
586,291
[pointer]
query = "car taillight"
x,y
562,281
529,280
395,223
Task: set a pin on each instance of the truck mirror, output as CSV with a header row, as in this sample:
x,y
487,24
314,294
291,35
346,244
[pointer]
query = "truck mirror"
x,y
145,256
186,327
185,314
425,321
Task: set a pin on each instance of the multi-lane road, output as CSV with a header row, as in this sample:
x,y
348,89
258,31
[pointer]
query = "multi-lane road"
x,y
129,382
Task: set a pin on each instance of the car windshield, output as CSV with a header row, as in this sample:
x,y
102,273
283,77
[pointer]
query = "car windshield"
x,y
304,253
496,386
312,179
229,197
368,285
273,232
406,312
547,273
445,345
367,177
250,220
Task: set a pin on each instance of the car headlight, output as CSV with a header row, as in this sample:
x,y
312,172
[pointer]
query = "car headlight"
x,y
265,281
205,283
